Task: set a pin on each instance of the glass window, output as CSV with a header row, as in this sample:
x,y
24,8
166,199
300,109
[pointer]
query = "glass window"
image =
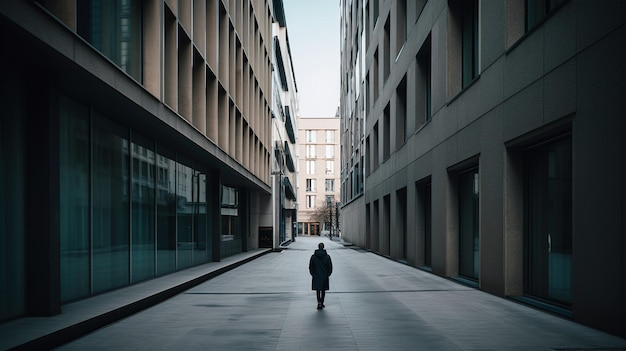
x,y
310,167
13,188
310,185
74,198
310,151
423,78
202,247
231,237
468,224
143,211
166,213
110,205
330,151
330,167
548,232
470,41
330,185
184,214
330,200
537,10
424,193
310,136
330,136
113,27
310,201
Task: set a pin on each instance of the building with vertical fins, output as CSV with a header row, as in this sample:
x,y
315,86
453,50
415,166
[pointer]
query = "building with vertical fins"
x,y
136,140
483,141
284,137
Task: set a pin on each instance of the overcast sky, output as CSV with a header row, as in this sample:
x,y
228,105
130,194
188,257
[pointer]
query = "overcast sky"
x,y
313,29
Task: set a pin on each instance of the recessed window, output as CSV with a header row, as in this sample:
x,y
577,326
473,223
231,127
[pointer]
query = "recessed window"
x,y
310,185
537,10
548,221
469,234
330,185
113,28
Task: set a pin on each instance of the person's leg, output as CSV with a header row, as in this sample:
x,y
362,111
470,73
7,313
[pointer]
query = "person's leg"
x,y
319,299
323,296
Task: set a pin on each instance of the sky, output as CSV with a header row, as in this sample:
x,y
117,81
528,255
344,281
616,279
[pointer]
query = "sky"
x,y
313,30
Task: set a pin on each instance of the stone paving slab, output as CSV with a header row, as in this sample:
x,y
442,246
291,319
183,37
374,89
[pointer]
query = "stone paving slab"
x,y
374,304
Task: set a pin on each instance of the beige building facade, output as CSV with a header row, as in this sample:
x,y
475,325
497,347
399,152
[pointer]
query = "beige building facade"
x,y
318,177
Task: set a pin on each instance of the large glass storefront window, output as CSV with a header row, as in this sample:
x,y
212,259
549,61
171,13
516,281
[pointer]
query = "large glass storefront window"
x,y
143,211
129,210
186,244
231,237
12,196
166,213
548,221
110,205
74,200
469,242
202,251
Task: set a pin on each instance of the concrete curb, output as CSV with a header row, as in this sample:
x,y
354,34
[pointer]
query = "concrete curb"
x,y
75,331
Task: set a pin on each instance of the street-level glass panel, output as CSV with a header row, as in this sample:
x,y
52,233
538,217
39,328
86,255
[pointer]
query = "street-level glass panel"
x,y
548,221
469,224
110,205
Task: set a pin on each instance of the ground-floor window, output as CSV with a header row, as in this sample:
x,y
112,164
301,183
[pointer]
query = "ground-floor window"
x,y
548,221
308,228
13,189
231,235
129,209
424,211
469,234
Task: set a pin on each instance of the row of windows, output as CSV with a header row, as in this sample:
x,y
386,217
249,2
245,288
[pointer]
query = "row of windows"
x,y
546,192
311,136
412,112
311,201
127,212
311,151
330,167
311,185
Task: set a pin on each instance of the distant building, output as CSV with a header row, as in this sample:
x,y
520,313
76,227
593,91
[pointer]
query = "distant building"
x,y
484,141
318,185
136,140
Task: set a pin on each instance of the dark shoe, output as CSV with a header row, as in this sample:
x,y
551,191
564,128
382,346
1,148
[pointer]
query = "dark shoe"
x,y
323,306
319,306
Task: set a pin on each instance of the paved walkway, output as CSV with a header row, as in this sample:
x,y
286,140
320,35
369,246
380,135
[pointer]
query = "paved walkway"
x,y
374,304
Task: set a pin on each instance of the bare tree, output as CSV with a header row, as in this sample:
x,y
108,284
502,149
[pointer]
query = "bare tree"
x,y
322,213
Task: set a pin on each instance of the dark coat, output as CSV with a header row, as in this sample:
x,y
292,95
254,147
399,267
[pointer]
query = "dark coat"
x,y
320,267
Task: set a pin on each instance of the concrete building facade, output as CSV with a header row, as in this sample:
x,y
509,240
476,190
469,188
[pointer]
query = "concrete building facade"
x,y
318,186
490,136
136,140
284,127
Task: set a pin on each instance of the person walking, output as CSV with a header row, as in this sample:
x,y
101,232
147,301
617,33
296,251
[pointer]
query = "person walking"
x,y
320,267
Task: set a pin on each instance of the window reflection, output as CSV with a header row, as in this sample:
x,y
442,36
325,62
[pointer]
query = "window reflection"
x,y
166,214
231,237
548,237
110,205
143,212
113,27
74,200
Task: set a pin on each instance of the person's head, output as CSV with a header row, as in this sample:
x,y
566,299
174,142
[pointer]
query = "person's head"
x,y
321,246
